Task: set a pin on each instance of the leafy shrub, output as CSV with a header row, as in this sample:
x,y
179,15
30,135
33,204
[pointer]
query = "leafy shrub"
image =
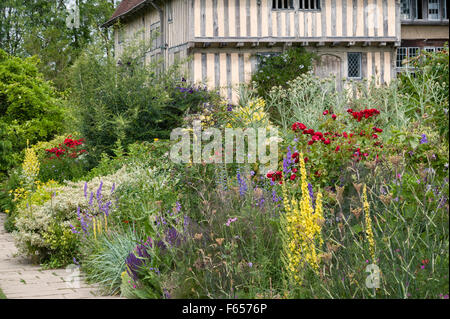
x,y
29,108
277,70
43,228
426,90
344,140
64,161
304,99
129,102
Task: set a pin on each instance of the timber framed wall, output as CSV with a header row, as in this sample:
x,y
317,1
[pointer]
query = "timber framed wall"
x,y
255,20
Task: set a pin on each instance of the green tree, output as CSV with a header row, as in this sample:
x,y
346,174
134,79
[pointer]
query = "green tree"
x,y
128,100
38,27
29,107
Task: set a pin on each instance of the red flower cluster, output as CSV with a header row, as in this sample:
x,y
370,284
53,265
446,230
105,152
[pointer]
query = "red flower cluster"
x,y
277,176
315,136
73,143
298,126
64,149
376,129
364,113
57,151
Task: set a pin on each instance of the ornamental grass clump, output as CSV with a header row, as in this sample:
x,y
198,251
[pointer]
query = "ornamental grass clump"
x,y
301,229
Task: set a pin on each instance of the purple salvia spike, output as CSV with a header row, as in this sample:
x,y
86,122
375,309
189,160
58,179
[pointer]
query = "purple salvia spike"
x,y
85,189
91,198
99,191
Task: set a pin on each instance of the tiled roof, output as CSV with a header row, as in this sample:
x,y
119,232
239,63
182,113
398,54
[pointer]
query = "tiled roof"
x,y
124,7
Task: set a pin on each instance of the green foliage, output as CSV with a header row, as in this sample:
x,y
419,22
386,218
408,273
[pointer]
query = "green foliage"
x,y
63,245
337,146
278,70
129,102
68,166
426,90
2,295
29,108
39,28
304,99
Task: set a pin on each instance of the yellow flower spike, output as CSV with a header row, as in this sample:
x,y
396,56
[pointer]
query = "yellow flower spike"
x,y
93,227
99,225
106,223
368,221
301,230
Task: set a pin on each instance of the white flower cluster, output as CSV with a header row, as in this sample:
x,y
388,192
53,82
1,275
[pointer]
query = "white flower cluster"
x,y
34,220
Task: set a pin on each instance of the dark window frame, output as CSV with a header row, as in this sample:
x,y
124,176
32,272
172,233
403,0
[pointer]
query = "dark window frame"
x,y
309,5
283,5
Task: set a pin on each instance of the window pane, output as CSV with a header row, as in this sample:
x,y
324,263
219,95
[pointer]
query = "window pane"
x,y
405,7
401,55
413,52
354,65
433,10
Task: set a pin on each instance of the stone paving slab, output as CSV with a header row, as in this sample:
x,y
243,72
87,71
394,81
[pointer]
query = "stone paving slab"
x,y
19,279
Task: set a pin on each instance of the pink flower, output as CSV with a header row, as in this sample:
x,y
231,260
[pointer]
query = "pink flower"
x,y
231,220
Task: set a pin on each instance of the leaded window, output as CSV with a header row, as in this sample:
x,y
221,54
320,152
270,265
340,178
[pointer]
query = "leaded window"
x,y
433,10
354,65
405,9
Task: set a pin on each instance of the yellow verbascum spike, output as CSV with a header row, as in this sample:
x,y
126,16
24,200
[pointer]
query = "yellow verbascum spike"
x,y
368,221
301,229
99,225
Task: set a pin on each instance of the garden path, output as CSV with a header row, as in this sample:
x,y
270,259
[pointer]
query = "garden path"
x,y
19,279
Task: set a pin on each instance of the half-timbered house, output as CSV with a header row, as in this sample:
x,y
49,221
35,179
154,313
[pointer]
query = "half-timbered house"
x,y
354,39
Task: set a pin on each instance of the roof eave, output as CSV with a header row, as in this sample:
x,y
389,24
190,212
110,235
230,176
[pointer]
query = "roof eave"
x,y
110,22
